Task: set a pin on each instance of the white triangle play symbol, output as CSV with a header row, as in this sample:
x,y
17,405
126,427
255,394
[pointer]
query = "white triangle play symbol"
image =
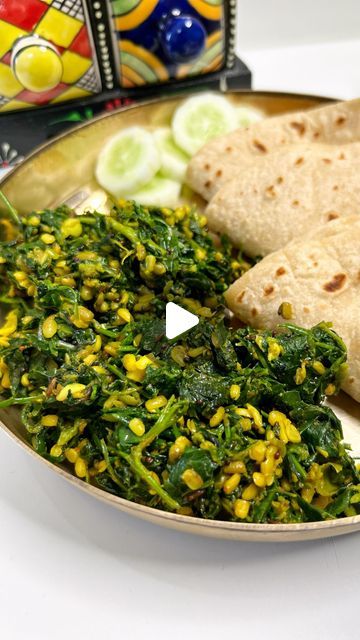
x,y
178,320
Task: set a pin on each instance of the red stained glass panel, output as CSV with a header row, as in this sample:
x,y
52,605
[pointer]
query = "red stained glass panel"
x,y
81,44
24,14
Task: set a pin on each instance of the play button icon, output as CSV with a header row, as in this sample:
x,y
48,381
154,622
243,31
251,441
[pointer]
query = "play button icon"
x,y
178,320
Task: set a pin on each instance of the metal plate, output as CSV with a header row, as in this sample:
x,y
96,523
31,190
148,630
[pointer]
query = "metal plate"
x,y
63,169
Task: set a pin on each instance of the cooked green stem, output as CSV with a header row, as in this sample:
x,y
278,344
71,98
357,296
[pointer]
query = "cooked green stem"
x,y
12,211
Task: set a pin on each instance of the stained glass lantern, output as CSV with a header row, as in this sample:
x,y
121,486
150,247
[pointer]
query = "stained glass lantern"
x,y
93,54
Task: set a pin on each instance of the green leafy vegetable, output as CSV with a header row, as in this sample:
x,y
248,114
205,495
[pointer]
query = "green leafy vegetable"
x,y
219,423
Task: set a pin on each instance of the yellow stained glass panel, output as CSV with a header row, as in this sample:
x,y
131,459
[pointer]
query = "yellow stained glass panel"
x,y
58,27
9,86
8,34
14,104
74,67
71,94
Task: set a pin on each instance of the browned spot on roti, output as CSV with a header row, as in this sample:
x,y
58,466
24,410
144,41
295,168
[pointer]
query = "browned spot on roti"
x,y
340,120
332,215
259,146
299,127
306,310
280,271
299,161
336,283
316,134
280,180
326,160
229,149
219,173
254,312
295,203
269,290
206,166
240,296
342,156
336,187
208,184
270,191
351,379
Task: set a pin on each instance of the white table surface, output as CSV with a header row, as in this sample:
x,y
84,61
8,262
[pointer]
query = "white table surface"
x,y
74,568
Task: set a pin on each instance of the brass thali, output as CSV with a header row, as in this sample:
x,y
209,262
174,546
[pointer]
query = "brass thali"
x,y
63,170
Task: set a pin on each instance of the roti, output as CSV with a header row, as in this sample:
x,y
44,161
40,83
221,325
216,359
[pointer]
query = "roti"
x,y
318,278
281,196
228,156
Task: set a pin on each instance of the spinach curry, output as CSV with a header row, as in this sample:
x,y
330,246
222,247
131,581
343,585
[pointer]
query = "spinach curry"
x,y
218,423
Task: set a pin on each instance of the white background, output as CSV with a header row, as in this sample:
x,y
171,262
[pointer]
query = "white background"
x,y
74,568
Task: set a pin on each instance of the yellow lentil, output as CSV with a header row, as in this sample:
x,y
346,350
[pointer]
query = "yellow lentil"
x,y
10,324
71,455
25,380
137,427
217,418
47,238
235,466
82,318
34,221
257,451
124,315
56,451
286,310
159,269
231,483
234,392
300,374
71,227
250,492
256,416
49,327
51,420
192,479
80,467
259,479
76,389
129,362
86,293
318,367
274,350
137,340
156,403
177,449
330,390
288,431
143,362
241,508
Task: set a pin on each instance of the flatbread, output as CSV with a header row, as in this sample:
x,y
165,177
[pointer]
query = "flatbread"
x,y
320,277
281,196
227,156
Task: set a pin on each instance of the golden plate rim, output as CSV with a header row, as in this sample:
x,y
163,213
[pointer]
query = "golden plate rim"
x,y
212,528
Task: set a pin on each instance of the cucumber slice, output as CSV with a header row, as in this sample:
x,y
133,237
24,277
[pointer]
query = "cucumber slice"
x,y
174,161
159,192
128,161
201,118
247,115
